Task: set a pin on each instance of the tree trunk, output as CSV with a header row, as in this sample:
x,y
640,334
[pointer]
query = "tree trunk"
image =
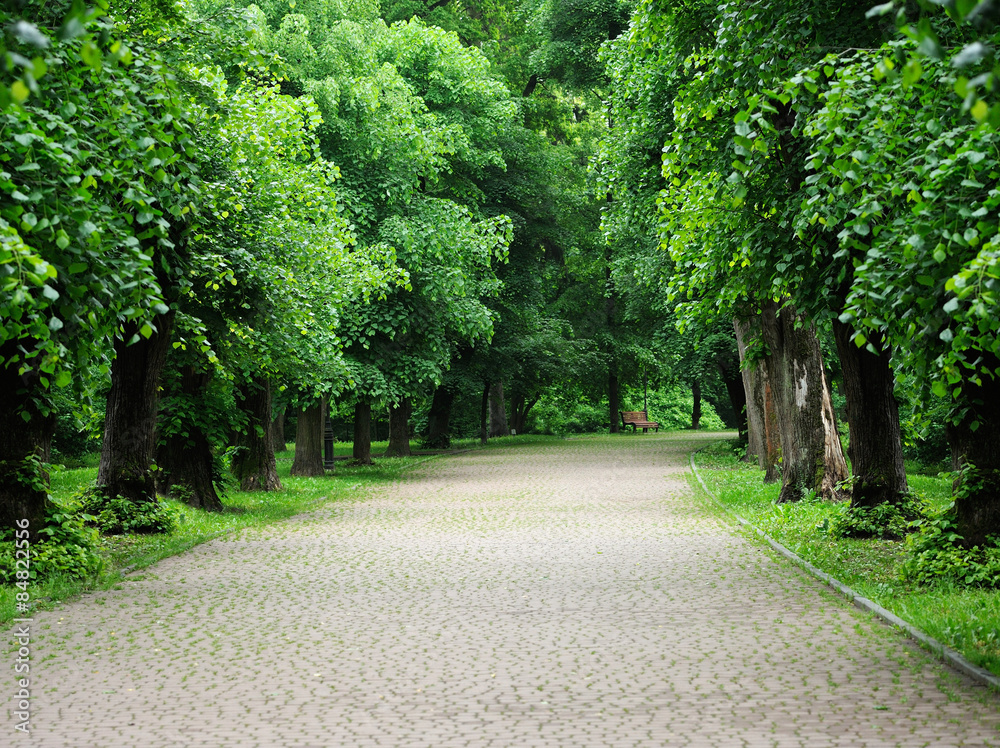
x,y
278,431
438,419
614,405
696,405
876,442
732,378
254,464
763,443
23,446
484,414
186,470
362,447
308,460
399,429
976,450
811,454
185,461
498,411
771,457
130,420
519,413
516,406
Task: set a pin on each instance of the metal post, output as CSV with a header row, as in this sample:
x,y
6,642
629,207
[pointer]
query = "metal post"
x,y
328,444
645,384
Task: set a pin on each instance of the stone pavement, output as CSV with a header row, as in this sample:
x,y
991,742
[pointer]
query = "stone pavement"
x,y
570,594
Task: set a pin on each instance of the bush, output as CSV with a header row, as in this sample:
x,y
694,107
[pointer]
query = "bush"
x,y
118,516
886,521
64,546
935,555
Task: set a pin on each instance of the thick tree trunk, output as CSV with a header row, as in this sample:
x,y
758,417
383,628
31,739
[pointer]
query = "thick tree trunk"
x,y
696,405
498,411
362,448
614,403
254,464
763,441
308,460
439,418
876,442
130,421
811,454
484,414
977,450
24,445
185,461
771,457
278,431
187,470
399,429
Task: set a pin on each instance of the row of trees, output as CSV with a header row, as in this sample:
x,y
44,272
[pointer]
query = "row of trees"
x,y
205,205
810,167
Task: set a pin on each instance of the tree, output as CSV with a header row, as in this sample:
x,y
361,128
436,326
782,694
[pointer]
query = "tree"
x,y
108,110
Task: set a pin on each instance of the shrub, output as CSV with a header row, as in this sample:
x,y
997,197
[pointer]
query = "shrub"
x,y
118,516
63,546
935,555
886,521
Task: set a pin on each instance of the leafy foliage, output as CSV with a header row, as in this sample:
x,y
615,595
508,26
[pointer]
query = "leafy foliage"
x,y
114,515
64,547
936,556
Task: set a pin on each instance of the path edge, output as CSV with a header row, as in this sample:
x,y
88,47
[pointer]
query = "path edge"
x,y
944,653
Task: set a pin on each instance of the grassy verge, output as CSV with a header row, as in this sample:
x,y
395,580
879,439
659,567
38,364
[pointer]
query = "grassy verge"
x,y
122,553
968,620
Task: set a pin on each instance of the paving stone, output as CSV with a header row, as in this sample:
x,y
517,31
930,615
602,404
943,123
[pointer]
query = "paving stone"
x,y
571,594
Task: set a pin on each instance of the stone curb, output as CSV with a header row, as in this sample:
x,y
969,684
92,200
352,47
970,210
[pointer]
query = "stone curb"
x,y
945,653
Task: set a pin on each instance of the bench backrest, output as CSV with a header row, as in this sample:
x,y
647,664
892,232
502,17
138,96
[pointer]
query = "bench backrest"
x,y
629,416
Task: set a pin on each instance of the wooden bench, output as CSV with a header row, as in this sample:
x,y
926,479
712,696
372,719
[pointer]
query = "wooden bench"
x,y
638,419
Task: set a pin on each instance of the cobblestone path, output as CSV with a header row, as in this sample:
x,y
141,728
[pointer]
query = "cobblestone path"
x,y
572,593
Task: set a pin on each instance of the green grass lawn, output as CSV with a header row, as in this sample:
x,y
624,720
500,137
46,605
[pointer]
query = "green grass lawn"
x,y
967,620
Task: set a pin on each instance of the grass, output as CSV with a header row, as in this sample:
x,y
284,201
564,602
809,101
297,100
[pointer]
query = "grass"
x,y
968,620
123,553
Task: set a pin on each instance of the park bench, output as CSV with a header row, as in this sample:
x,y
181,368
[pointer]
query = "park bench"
x,y
638,419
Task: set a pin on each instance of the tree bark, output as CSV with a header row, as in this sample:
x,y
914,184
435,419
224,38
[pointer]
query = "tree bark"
x,y
187,470
278,431
614,404
876,442
185,461
129,444
976,450
24,445
763,443
399,429
308,460
439,418
362,447
771,457
519,413
696,405
732,378
484,414
254,465
498,411
811,453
